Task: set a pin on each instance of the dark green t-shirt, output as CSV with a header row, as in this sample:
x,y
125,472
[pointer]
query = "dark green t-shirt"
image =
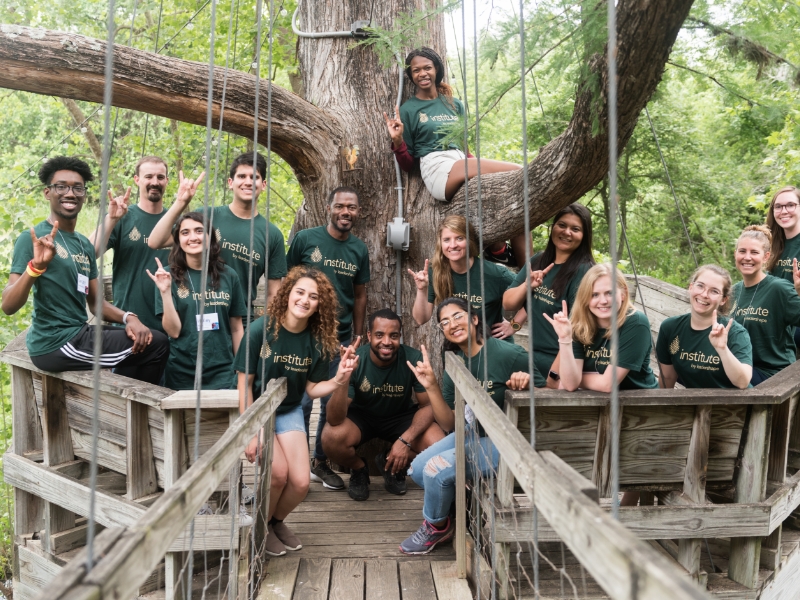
x,y
783,268
233,235
769,311
545,301
635,344
295,356
344,262
504,359
133,289
424,122
384,391
691,354
59,309
226,301
496,281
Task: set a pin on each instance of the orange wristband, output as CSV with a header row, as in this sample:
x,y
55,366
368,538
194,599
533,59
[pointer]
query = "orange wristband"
x,y
34,269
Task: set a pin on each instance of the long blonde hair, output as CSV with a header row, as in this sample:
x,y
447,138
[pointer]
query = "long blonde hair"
x,y
442,273
778,234
584,323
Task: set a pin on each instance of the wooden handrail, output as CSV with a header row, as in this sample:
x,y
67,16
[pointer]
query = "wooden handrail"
x,y
624,566
133,555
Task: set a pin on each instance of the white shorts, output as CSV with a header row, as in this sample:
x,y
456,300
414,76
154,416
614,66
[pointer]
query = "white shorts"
x,y
435,168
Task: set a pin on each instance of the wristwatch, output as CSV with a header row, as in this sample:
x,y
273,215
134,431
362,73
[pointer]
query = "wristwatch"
x,y
554,376
514,325
126,315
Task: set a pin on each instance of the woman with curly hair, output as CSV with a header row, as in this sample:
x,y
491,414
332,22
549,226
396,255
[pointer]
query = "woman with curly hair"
x,y
179,294
419,130
296,339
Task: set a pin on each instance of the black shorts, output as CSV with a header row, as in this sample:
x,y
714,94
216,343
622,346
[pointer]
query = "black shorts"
x,y
385,428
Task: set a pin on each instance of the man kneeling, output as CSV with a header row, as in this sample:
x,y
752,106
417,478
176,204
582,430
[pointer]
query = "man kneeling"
x,y
378,403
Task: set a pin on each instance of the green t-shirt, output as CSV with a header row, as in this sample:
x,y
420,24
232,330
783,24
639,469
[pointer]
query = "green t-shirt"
x,y
691,354
424,122
545,301
783,268
384,391
344,262
295,356
233,235
504,359
59,309
226,301
496,280
635,345
769,311
133,289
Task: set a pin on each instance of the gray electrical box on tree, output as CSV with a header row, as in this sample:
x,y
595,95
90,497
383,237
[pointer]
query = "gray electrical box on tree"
x,y
398,234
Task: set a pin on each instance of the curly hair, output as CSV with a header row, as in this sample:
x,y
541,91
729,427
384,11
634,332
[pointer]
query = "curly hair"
x,y
323,322
177,257
584,323
440,264
64,163
778,234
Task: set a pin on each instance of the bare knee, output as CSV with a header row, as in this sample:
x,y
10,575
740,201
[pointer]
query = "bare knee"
x,y
299,479
335,439
279,475
436,465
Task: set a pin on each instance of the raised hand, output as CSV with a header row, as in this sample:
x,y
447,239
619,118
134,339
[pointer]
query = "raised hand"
x,y
348,364
395,126
519,381
423,370
162,278
420,277
719,334
561,324
118,207
44,248
187,188
796,275
343,350
537,277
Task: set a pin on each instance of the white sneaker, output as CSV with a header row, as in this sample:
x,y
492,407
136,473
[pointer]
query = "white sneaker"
x,y
245,520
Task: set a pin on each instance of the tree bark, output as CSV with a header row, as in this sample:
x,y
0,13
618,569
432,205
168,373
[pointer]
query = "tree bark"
x,y
80,119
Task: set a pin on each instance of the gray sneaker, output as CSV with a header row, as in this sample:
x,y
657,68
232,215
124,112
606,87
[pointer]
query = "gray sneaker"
x,y
321,472
424,539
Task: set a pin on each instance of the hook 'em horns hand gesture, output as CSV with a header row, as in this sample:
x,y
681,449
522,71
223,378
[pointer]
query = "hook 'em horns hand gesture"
x,y
44,248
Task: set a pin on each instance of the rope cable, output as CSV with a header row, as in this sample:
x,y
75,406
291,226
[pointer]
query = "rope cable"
x,y
155,49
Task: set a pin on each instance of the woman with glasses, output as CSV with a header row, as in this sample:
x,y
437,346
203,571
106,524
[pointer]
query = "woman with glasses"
x,y
700,348
498,366
584,338
783,220
768,307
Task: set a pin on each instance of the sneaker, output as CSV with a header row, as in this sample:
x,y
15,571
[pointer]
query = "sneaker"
x,y
248,495
505,256
359,484
321,472
274,547
394,484
245,520
424,539
205,510
286,536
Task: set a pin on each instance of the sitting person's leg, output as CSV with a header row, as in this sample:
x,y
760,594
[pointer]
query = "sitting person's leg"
x,y
295,450
277,484
455,179
340,442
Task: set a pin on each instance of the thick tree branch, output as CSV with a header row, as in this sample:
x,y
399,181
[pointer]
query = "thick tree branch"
x,y
72,66
80,119
577,160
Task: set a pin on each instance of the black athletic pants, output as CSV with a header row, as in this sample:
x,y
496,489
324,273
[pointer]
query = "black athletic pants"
x,y
78,355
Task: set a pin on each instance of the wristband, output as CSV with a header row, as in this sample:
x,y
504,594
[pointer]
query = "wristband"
x,y
564,341
337,382
407,444
33,271
126,315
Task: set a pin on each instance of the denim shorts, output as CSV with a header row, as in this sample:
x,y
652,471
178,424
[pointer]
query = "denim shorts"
x,y
290,421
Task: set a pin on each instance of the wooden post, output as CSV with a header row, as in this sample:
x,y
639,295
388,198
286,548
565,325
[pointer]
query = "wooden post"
x,y
57,442
694,485
505,498
174,457
26,435
601,465
461,489
751,486
235,488
262,497
142,479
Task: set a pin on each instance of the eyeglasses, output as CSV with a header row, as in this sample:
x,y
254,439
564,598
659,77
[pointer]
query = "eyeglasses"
x,y
456,318
712,292
789,207
62,189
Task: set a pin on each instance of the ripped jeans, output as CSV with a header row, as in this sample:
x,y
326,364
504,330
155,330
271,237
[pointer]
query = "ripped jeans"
x,y
434,470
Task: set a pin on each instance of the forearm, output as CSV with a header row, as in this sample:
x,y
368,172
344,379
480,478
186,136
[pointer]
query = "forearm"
x,y
514,298
666,381
101,243
359,314
521,316
421,421
324,388
244,385
442,413
422,309
738,372
237,333
16,293
110,313
161,236
403,156
170,320
570,371
273,286
336,410
601,382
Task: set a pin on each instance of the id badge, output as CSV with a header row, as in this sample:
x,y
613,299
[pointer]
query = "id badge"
x,y
210,322
83,284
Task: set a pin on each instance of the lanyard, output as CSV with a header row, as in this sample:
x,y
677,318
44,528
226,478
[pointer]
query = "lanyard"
x,y
66,247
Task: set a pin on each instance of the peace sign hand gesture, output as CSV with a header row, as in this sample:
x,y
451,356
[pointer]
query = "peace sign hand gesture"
x,y
561,324
719,334
118,207
537,277
187,188
162,278
420,277
395,127
44,248
424,371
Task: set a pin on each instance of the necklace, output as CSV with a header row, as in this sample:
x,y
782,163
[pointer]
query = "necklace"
x,y
753,297
66,247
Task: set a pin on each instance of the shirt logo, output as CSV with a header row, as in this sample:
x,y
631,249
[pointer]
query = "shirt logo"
x,y
316,255
365,385
423,118
218,234
675,345
61,251
266,351
183,292
134,235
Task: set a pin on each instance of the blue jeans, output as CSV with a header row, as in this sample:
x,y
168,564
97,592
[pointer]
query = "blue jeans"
x,y
434,470
307,403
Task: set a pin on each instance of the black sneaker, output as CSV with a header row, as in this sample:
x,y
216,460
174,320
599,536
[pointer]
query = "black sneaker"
x,y
394,484
321,472
504,257
359,484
